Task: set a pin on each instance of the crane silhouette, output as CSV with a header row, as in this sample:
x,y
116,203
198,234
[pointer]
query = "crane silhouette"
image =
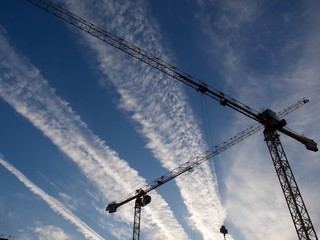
x,y
268,119
140,195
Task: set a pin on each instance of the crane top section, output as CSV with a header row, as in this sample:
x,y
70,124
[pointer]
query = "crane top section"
x,y
272,122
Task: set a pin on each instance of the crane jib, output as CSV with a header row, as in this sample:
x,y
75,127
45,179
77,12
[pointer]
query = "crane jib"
x,y
145,57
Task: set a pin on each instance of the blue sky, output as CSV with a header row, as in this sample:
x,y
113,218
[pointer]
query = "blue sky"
x,y
82,124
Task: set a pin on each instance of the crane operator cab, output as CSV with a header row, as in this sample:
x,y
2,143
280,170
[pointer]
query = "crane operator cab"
x,y
270,120
144,200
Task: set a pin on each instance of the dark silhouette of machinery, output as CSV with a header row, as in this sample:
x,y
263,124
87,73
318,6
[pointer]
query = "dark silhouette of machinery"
x,y
271,122
224,231
6,237
140,195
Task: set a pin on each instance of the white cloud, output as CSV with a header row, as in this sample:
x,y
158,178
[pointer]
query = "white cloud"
x,y
255,203
28,93
54,204
223,28
70,201
50,232
160,108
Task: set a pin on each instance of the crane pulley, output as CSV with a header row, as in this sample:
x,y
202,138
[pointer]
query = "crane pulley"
x,y
268,119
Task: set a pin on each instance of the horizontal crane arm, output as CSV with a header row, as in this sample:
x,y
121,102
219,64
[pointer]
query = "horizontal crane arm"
x,y
188,166
145,57
309,143
293,107
159,64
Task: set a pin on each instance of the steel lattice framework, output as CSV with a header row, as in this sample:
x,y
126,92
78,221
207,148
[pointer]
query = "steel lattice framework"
x,y
289,187
136,222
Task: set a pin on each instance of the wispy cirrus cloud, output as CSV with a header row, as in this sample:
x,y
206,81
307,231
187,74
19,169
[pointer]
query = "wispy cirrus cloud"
x,y
54,204
157,105
277,53
48,231
23,87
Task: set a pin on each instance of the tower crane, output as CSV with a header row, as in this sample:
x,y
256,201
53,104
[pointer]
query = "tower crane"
x,y
140,195
271,122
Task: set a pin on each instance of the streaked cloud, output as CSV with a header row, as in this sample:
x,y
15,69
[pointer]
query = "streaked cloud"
x,y
158,105
55,205
46,232
23,87
287,44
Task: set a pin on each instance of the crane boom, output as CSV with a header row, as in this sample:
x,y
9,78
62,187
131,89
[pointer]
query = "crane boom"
x,y
145,57
157,63
187,166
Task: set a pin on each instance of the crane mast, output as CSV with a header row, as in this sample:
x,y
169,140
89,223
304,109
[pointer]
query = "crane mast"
x,y
268,119
297,208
